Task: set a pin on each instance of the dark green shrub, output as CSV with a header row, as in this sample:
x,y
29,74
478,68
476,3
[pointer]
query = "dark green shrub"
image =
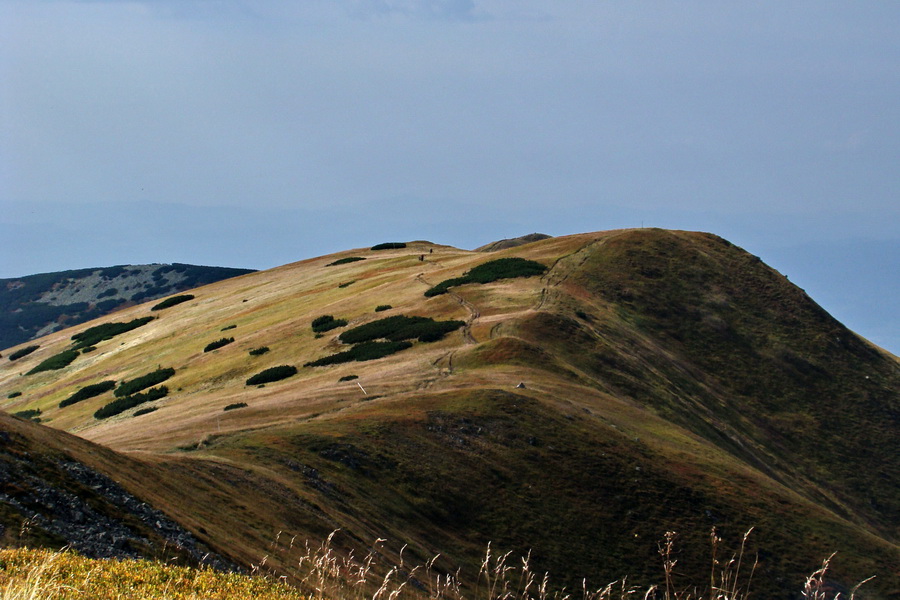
x,y
168,302
389,246
218,344
327,323
235,406
88,391
344,261
227,327
346,284
107,331
259,351
122,404
383,307
501,268
88,349
127,388
145,411
31,414
57,361
14,395
273,374
108,293
348,378
361,352
400,327
22,352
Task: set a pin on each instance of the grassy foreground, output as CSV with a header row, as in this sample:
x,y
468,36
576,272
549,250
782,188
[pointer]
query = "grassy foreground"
x,y
28,574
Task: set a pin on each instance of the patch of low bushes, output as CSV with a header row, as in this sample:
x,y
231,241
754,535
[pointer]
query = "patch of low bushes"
x,y
145,411
227,327
400,327
348,378
259,351
327,323
107,331
127,388
169,302
22,352
273,374
14,395
32,414
346,284
344,261
501,268
218,344
122,404
361,352
383,307
55,362
88,391
389,246
235,406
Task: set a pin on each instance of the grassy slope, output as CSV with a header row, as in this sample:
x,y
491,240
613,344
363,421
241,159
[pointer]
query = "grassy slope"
x,y
673,382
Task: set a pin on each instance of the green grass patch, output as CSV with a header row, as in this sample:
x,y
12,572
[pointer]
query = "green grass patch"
x,y
400,327
22,352
259,351
502,268
107,331
169,302
235,406
55,362
88,391
127,388
122,404
344,261
361,352
327,323
273,374
389,246
218,344
383,307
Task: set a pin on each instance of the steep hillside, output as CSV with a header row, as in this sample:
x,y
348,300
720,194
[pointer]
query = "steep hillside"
x,y
36,305
647,381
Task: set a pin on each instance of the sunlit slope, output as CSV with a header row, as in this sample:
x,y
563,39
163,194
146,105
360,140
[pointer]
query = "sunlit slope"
x,y
669,381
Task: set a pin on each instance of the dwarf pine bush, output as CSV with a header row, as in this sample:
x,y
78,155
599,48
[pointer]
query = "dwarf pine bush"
x,y
272,374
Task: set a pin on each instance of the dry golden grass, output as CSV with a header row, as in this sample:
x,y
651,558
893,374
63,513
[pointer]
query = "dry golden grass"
x,y
328,574
48,575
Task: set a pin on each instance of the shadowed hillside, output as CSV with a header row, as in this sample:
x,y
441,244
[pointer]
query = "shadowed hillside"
x,y
36,305
624,384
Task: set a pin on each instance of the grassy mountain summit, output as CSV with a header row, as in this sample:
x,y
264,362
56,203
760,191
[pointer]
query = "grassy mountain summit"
x,y
646,381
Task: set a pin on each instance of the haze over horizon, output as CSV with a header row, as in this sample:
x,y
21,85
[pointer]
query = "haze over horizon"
x,y
241,134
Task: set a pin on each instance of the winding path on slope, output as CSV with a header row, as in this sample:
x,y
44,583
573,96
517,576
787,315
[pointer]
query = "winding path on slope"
x,y
474,313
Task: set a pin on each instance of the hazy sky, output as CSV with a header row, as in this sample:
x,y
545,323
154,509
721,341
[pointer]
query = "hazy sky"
x,y
256,133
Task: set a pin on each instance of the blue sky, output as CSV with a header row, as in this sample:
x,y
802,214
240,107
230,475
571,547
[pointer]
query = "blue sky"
x,y
253,134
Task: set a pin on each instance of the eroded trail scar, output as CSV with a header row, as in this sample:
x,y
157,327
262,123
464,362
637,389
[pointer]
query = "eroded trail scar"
x,y
474,313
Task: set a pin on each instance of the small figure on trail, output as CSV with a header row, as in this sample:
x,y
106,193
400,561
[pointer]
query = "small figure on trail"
x,y
421,257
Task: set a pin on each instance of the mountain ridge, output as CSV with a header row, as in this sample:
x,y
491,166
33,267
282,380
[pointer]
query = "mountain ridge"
x,y
670,381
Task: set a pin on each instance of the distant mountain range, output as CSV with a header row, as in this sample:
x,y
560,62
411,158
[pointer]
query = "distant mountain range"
x,y
578,396
36,305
